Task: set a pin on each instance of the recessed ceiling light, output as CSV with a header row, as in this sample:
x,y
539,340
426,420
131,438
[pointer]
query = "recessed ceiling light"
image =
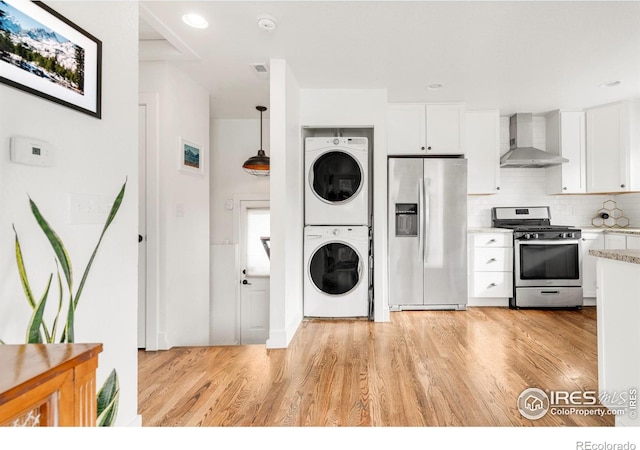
x,y
435,86
195,20
610,84
267,22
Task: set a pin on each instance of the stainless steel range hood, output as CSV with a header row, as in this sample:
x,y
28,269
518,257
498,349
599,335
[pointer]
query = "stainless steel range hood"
x,y
521,150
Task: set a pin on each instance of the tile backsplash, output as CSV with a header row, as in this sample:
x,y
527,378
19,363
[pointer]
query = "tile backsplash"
x,y
527,187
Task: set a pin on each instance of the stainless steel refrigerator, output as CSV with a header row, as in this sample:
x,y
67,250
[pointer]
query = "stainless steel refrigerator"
x,y
427,233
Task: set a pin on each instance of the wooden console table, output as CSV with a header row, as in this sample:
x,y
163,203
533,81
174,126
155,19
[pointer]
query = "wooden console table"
x,y
48,384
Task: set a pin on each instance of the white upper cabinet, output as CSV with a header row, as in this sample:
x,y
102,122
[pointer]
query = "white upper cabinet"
x,y
613,147
565,136
482,149
425,129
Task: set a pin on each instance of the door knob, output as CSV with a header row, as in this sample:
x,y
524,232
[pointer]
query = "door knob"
x,y
140,238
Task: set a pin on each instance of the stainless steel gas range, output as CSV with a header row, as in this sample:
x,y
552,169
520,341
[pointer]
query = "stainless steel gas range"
x,y
547,259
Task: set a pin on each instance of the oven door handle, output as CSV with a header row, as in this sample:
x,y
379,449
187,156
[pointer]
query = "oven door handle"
x,y
549,292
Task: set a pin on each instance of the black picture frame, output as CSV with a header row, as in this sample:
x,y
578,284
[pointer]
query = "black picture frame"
x,y
45,54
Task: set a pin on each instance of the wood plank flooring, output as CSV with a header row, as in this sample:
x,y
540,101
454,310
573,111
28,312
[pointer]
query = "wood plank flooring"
x,y
424,368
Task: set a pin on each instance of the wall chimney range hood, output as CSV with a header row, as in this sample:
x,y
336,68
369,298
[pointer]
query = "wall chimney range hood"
x,y
521,151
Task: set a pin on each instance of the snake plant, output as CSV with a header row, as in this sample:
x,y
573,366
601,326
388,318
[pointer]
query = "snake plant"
x,y
38,331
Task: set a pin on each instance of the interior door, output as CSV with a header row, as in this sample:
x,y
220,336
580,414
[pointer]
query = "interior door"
x,y
255,267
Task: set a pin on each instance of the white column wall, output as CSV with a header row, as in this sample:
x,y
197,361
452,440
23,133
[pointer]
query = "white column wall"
x,y
287,220
92,156
184,207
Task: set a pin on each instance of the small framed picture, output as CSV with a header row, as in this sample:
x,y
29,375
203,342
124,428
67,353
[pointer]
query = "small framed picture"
x,y
191,157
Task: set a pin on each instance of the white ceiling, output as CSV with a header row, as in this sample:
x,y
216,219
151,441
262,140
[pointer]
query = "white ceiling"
x,y
513,56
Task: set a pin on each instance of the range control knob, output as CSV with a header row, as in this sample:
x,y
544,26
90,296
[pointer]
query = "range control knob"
x,y
534,235
563,235
336,141
571,235
336,232
527,236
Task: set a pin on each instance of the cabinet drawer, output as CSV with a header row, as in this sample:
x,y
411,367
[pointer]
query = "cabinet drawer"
x,y
492,284
493,240
489,259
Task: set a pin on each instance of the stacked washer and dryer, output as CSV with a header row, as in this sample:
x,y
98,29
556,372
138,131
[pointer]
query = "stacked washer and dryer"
x,y
337,238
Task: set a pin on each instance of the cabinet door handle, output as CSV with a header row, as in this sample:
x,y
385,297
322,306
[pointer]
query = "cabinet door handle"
x,y
492,260
622,185
564,188
490,241
421,148
497,188
492,285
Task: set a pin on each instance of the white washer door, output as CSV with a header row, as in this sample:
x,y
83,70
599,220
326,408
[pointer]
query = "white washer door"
x,y
336,177
335,268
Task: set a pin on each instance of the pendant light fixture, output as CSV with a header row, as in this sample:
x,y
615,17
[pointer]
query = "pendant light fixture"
x,y
258,165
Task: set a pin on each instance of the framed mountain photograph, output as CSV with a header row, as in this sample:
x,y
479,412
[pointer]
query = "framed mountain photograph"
x,y
45,54
191,157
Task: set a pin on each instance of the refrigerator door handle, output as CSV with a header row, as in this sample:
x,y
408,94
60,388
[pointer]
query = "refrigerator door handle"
x,y
427,217
421,218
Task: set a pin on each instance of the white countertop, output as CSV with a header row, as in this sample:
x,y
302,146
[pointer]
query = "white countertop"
x,y
611,230
489,230
633,231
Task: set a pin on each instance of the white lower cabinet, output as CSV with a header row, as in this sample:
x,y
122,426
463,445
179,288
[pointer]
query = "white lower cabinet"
x,y
598,241
633,242
490,269
590,241
615,242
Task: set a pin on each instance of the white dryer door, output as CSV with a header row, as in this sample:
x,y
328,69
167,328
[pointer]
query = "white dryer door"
x,y
335,268
336,177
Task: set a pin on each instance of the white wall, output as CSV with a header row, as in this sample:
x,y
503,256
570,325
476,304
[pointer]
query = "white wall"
x,y
184,207
360,108
232,142
630,204
287,218
93,157
526,187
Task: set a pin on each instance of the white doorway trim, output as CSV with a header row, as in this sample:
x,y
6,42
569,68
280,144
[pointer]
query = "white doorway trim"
x,y
237,198
152,181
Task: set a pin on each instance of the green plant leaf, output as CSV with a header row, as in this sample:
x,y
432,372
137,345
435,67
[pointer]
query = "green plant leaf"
x,y
112,214
108,398
33,330
2,342
60,296
23,272
56,244
68,334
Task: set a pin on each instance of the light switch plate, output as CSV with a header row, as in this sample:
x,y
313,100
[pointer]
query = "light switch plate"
x,y
89,208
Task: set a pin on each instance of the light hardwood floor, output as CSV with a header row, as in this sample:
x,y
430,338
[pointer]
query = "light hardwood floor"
x,y
424,368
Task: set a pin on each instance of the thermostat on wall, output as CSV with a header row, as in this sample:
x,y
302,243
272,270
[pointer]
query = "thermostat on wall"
x,y
29,151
